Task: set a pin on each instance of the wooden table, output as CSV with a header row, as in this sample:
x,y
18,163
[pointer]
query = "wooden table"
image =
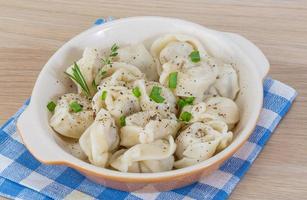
x,y
31,31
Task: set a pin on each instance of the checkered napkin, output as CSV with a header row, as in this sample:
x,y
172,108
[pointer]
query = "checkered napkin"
x,y
24,177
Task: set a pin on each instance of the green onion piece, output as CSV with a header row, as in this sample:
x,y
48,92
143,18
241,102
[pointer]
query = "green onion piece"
x,y
172,80
195,57
103,95
155,94
122,121
185,116
51,106
186,101
75,106
136,92
189,100
181,103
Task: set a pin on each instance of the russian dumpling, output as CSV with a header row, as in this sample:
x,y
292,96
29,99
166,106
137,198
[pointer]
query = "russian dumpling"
x,y
226,83
223,109
199,141
139,56
89,65
191,81
100,139
148,126
118,100
152,157
173,46
68,123
118,73
168,103
198,112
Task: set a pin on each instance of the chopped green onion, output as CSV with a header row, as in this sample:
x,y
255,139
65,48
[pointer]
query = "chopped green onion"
x,y
172,80
186,101
122,121
189,100
185,116
103,95
75,106
181,103
155,94
51,106
136,92
195,57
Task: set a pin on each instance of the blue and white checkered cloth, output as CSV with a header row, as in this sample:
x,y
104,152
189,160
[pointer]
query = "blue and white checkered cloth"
x,y
23,177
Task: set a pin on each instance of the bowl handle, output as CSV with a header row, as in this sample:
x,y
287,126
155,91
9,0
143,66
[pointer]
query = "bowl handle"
x,y
34,140
253,52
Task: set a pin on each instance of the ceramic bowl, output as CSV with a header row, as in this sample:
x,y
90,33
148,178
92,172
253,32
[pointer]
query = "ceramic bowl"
x,y
49,148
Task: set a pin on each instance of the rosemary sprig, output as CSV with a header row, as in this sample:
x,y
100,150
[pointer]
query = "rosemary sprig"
x,y
79,79
108,60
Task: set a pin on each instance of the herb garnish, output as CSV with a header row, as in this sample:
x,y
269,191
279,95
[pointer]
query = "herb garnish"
x,y
103,95
102,73
186,101
185,116
75,106
113,53
51,106
195,57
155,94
136,92
79,79
172,80
94,85
122,121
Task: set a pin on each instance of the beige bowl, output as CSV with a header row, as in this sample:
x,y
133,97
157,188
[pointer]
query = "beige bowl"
x,y
49,148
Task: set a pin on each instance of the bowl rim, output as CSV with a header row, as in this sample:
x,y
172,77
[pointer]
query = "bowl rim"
x,y
95,171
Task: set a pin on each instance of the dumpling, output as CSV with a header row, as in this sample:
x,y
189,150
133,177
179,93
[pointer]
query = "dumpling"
x,y
199,141
168,100
146,166
89,65
68,123
100,139
119,74
152,157
173,46
148,126
139,56
226,83
118,100
223,109
191,81
199,113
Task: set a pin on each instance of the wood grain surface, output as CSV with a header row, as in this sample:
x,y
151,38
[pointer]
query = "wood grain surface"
x,y
31,31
